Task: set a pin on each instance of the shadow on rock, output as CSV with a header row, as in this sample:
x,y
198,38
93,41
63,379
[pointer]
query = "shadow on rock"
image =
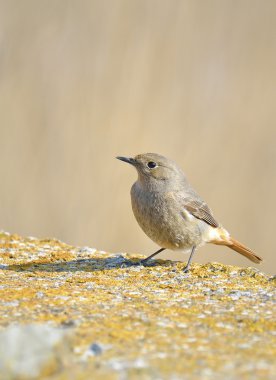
x,y
85,265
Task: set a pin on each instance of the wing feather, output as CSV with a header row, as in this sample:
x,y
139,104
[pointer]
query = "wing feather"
x,y
200,210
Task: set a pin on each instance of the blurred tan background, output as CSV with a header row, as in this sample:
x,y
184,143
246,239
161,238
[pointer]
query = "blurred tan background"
x,y
84,81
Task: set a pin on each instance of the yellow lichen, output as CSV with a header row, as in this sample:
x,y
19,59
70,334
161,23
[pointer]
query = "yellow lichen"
x,y
152,322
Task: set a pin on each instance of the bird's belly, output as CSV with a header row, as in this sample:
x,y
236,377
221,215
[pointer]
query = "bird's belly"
x,y
165,223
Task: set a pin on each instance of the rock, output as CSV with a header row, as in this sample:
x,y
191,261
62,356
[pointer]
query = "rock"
x,y
130,321
28,351
95,349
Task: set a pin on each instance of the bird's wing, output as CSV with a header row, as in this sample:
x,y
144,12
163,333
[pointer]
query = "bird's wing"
x,y
200,210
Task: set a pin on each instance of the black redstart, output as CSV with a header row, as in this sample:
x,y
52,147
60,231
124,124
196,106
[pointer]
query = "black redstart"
x,y
171,213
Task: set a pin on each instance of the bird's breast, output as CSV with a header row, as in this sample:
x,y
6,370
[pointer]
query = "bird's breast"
x,y
162,218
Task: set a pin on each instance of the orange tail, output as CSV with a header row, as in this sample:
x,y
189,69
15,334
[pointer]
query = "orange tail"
x,y
243,250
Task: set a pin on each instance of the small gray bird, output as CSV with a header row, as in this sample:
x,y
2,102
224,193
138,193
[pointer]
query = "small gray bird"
x,y
171,213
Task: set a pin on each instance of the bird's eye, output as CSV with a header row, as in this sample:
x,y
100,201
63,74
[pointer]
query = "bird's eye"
x,y
151,165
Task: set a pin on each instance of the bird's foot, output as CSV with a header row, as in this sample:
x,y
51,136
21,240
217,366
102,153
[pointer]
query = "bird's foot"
x,y
145,263
186,269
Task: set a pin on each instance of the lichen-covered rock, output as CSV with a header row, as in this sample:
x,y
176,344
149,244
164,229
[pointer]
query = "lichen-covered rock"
x,y
130,321
30,351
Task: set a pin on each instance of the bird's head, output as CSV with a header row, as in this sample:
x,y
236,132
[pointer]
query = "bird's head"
x,y
156,171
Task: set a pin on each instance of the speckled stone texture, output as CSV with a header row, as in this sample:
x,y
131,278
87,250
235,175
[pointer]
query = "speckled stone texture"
x,y
126,321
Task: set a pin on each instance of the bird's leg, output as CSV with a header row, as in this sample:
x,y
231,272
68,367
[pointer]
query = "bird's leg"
x,y
144,261
186,269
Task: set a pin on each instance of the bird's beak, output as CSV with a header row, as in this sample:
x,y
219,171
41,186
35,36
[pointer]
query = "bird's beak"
x,y
129,160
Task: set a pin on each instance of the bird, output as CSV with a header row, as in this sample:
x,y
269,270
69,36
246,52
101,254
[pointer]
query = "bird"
x,y
170,211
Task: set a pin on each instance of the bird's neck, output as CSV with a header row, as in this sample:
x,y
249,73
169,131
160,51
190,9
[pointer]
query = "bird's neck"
x,y
161,186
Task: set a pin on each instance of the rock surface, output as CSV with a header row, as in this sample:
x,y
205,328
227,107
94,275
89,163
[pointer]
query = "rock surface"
x,y
126,321
28,351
